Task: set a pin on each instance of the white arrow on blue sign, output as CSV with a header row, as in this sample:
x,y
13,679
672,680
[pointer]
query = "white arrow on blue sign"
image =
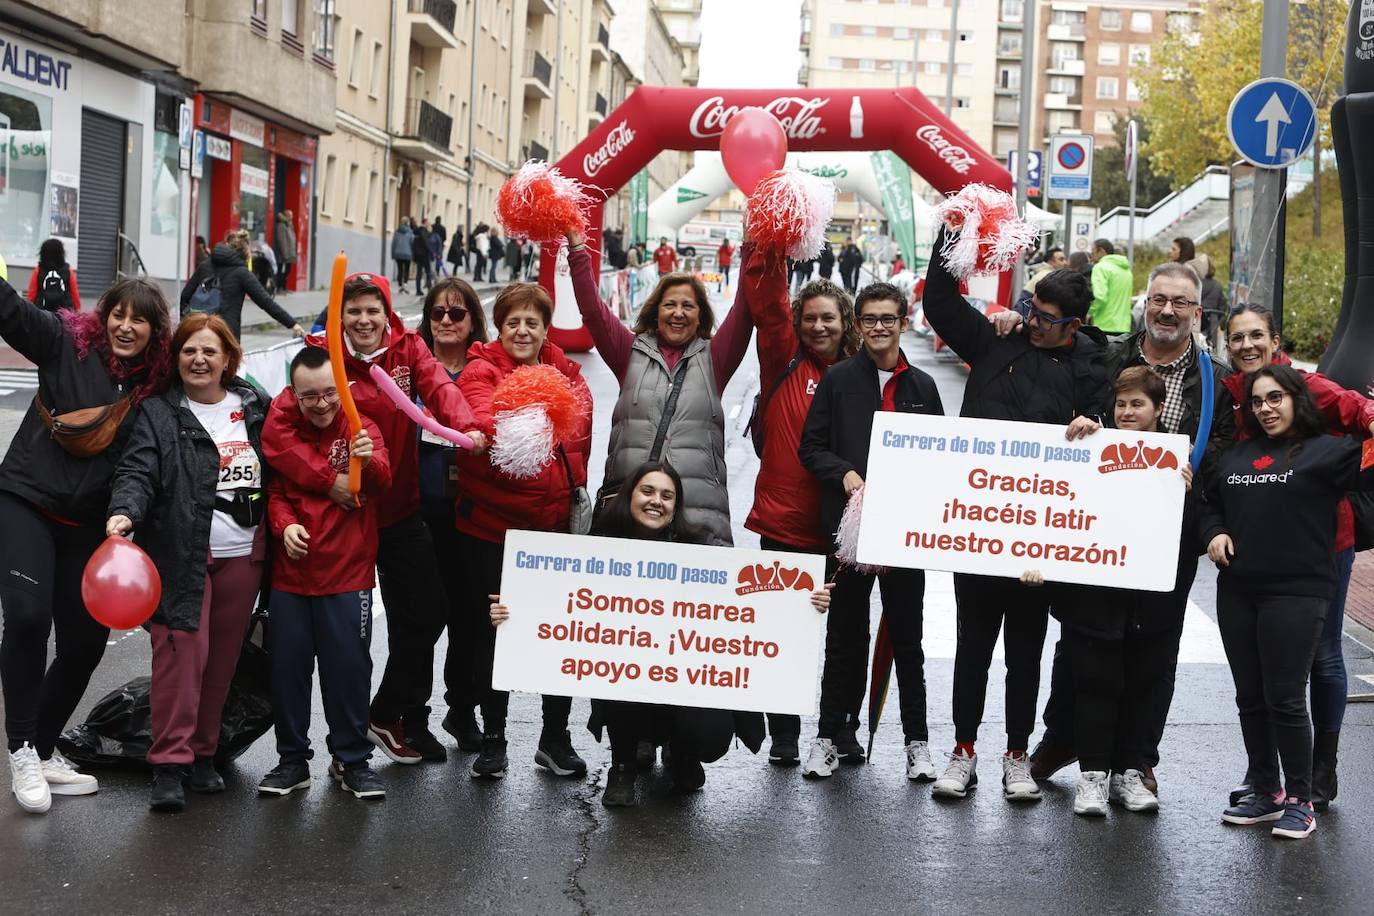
x,y
1272,122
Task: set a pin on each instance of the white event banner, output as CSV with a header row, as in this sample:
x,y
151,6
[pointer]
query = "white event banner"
x,y
656,622
997,498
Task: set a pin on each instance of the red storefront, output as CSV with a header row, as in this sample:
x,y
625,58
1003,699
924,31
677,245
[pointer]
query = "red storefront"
x,y
252,170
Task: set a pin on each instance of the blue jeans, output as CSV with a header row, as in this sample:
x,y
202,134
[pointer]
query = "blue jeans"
x,y
1328,668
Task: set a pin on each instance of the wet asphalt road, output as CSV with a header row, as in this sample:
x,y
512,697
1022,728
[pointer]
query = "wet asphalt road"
x,y
759,839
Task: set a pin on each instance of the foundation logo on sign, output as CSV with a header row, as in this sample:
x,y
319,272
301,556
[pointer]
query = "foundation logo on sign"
x,y
760,578
620,137
1123,457
800,118
954,155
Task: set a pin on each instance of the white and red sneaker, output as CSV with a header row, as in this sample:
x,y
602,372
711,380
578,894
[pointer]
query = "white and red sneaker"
x,y
390,738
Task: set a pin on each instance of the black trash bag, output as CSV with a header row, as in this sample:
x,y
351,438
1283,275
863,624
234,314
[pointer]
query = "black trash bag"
x,y
119,729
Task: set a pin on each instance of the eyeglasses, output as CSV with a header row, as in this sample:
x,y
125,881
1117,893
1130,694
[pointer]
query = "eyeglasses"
x,y
1273,399
1041,318
1178,302
1257,336
330,396
871,321
454,313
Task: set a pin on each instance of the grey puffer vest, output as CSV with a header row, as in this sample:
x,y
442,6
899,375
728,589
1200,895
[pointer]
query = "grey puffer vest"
x,y
695,442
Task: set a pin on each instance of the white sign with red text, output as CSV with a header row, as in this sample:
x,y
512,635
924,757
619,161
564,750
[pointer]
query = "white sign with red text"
x,y
659,622
997,498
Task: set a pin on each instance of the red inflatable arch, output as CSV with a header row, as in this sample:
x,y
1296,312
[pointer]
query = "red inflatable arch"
x,y
657,118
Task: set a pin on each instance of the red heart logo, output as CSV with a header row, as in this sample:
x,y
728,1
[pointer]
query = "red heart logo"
x,y
1262,462
1128,453
1152,455
1110,455
788,576
746,576
762,574
805,584
1168,462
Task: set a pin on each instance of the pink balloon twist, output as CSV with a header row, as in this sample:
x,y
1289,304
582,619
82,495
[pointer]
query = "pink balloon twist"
x,y
408,407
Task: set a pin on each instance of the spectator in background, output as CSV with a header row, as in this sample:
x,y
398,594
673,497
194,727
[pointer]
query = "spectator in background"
x,y
827,261
402,244
436,248
457,251
1080,262
495,254
1113,282
284,247
423,256
481,245
898,265
614,243
202,250
441,231
1214,303
851,259
665,257
725,257
634,257
1182,250
531,262
52,286
514,257
228,267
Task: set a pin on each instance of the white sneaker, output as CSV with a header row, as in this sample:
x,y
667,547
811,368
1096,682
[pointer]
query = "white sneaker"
x,y
27,782
1091,798
960,775
1017,782
918,762
64,779
1128,789
823,759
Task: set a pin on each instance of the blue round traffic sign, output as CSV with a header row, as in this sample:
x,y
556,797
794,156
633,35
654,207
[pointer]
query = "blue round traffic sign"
x,y
1071,155
1272,122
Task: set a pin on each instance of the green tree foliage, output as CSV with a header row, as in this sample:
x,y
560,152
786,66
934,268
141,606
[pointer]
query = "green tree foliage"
x,y
1110,187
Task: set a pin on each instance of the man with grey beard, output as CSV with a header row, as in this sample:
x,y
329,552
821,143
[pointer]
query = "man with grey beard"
x,y
1167,345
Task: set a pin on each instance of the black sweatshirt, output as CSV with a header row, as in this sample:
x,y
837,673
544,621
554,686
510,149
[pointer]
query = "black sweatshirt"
x,y
1277,499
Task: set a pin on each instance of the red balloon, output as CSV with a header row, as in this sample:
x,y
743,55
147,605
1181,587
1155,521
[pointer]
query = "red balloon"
x,y
120,586
752,145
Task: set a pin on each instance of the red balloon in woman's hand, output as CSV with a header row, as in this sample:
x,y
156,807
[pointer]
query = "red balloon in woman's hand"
x,y
752,145
120,586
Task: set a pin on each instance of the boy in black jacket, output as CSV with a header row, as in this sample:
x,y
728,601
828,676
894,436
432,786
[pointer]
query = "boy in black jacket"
x,y
1049,374
834,448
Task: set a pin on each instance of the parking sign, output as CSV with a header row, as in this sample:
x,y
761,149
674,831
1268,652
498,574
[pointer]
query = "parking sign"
x,y
1071,167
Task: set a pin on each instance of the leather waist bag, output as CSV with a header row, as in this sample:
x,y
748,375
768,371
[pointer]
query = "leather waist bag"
x,y
85,432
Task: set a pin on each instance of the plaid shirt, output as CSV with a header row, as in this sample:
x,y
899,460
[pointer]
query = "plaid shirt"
x,y
1173,375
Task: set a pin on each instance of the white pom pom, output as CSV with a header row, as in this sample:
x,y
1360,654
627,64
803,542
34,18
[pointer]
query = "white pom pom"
x,y
523,445
989,235
847,536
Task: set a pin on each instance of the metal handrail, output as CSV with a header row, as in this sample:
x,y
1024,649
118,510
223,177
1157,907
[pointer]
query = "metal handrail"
x,y
126,253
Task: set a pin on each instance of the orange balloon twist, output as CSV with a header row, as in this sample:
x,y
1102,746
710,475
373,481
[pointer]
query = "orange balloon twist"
x,y
334,335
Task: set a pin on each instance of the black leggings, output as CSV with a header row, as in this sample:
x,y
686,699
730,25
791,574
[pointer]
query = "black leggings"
x,y
40,589
482,567
693,735
1119,685
1270,642
464,629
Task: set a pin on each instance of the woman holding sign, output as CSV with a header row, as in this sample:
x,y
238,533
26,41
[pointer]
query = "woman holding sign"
x,y
492,500
650,507
1273,593
190,485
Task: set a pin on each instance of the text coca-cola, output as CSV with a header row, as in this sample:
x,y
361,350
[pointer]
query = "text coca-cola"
x,y
620,137
800,118
955,156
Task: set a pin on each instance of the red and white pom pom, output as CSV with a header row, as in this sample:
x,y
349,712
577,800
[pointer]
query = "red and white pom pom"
x,y
990,235
847,535
542,204
789,211
534,409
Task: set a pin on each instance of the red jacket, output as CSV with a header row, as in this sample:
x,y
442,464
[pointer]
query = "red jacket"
x,y
1347,413
408,361
342,553
725,254
787,499
666,259
490,503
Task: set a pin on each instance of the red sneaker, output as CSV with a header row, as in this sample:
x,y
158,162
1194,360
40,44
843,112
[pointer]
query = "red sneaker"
x,y
390,738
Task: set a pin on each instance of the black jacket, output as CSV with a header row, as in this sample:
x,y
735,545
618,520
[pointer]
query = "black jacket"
x,y
834,439
235,281
419,245
36,468
165,484
850,257
1009,377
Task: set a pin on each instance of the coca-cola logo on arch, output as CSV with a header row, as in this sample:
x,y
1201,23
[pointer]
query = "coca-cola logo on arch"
x,y
621,136
800,118
955,156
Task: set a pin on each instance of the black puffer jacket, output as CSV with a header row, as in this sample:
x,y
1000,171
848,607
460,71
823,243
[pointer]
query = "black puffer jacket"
x,y
1009,377
165,484
36,468
235,281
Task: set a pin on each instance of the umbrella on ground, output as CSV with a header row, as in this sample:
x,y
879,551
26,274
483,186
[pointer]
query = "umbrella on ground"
x,y
882,676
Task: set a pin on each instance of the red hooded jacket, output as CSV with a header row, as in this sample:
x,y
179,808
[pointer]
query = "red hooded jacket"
x,y
411,365
490,502
1347,413
787,499
342,553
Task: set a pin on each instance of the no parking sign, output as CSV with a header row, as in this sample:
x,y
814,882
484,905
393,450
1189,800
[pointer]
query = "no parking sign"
x,y
1071,167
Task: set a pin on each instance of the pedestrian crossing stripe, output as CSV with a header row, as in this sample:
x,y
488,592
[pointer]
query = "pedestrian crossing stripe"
x,y
12,380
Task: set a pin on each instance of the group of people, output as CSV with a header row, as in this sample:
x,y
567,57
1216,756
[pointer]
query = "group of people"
x,y
218,483
423,246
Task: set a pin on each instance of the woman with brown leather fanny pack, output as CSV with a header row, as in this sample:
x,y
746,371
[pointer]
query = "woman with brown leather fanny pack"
x,y
54,490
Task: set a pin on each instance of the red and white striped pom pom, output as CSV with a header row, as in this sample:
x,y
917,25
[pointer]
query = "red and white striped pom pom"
x,y
789,211
534,409
847,536
990,235
541,204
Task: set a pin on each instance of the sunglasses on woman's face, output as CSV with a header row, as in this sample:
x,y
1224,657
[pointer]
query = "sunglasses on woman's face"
x,y
454,313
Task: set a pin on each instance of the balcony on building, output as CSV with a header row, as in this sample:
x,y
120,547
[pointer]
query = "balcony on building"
x,y
597,113
539,8
1063,101
601,46
1006,110
538,151
431,23
1066,67
426,133
538,75
1072,31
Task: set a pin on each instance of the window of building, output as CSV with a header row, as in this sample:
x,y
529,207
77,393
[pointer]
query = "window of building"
x,y
868,31
1109,20
355,59
1107,87
1140,55
962,102
259,10
1063,85
1132,91
1003,142
26,124
935,34
1009,44
1005,108
1109,55
835,63
1103,121
1061,52
325,24
1178,22
253,189
963,69
1009,77
291,17
1058,121
374,79
369,208
350,189
933,67
966,36
165,217
868,63
1142,21
836,29
1067,17
1011,10
901,33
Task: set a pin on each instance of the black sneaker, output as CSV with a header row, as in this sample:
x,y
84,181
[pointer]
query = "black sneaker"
x,y
491,762
423,742
620,787
205,779
362,782
462,725
688,775
784,751
848,746
285,779
168,793
556,755
644,755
